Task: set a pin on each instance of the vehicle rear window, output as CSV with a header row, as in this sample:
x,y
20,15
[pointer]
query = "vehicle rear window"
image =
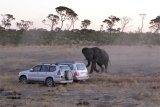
x,y
70,66
64,68
80,66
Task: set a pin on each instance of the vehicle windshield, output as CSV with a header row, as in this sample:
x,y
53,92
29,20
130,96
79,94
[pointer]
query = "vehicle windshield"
x,y
81,67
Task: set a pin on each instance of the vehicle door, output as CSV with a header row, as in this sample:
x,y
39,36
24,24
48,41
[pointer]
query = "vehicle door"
x,y
52,72
33,74
42,74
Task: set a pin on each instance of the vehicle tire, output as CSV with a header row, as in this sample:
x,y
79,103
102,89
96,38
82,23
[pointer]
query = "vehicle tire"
x,y
23,80
68,75
50,82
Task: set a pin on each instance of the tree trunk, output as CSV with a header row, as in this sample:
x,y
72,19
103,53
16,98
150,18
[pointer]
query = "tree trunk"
x,y
52,26
62,24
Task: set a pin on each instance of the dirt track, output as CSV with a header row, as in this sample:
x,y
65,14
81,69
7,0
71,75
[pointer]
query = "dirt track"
x,y
132,80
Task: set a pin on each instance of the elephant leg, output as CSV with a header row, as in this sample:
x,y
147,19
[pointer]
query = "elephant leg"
x,y
95,61
88,63
102,69
93,67
106,65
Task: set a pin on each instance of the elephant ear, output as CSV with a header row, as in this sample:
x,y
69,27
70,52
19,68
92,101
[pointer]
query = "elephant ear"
x,y
88,53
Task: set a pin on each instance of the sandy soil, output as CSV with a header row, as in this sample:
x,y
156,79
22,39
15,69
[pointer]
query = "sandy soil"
x,y
132,80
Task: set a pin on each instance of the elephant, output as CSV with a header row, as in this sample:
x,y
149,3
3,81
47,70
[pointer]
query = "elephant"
x,y
95,56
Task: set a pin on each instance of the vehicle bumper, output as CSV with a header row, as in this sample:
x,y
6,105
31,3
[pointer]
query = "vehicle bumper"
x,y
81,78
68,81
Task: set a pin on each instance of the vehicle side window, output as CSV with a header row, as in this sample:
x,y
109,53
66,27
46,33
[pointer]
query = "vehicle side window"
x,y
52,68
36,68
44,68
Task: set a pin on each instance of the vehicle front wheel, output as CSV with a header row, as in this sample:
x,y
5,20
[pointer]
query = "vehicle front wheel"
x,y
23,79
50,82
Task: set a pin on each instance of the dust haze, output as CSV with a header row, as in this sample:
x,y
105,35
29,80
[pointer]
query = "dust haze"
x,y
136,59
124,59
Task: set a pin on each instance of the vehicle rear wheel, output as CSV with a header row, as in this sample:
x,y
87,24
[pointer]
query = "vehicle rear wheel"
x,y
23,79
68,75
50,82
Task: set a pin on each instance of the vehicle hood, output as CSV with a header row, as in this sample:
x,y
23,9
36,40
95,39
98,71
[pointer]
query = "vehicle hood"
x,y
24,72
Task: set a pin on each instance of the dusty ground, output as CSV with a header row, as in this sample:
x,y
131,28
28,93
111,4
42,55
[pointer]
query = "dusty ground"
x,y
132,80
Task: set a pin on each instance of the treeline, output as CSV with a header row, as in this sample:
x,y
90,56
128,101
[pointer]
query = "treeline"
x,y
80,37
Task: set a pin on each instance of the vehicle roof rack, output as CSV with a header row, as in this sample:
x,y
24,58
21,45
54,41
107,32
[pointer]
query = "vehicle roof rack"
x,y
68,61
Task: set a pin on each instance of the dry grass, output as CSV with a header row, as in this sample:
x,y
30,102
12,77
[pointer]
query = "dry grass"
x,y
133,78
113,80
10,82
136,88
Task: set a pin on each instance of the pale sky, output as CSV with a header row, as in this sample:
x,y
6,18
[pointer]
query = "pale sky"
x,y
94,10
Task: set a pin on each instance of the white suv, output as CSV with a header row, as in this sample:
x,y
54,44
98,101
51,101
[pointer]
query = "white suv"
x,y
78,69
47,73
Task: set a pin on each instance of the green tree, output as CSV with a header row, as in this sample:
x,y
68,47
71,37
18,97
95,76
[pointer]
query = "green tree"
x,y
24,25
111,22
85,23
51,20
6,20
155,24
72,17
66,14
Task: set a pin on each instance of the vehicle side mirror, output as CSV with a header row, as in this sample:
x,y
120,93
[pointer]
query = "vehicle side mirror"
x,y
31,70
